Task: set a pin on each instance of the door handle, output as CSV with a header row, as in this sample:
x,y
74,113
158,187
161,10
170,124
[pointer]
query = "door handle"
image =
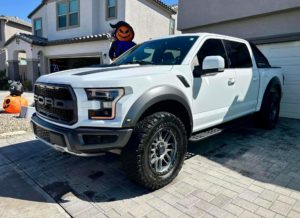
x,y
231,82
255,79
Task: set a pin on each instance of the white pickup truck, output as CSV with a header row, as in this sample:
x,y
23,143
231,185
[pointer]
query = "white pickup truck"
x,y
154,98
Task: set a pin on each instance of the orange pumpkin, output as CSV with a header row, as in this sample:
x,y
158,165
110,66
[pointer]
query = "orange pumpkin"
x,y
13,104
124,33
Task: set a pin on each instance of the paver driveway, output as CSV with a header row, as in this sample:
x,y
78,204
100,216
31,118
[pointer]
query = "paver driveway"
x,y
244,172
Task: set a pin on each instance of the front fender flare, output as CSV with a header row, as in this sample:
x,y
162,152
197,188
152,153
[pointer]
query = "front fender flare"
x,y
150,98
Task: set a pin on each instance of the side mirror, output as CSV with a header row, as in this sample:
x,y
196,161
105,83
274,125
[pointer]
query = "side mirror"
x,y
211,65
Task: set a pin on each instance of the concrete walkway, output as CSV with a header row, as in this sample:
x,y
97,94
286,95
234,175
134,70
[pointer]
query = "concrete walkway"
x,y
244,172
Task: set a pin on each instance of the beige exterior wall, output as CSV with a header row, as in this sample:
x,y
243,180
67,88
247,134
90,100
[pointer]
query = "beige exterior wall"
x,y
147,19
196,13
92,19
7,30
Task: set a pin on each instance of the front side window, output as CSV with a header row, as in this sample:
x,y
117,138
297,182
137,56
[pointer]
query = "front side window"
x,y
38,27
171,51
212,47
67,14
238,54
111,9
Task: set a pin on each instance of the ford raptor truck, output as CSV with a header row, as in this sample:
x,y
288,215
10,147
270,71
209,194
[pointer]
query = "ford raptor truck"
x,y
153,99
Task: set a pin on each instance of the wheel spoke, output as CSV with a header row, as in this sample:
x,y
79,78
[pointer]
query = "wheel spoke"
x,y
169,159
160,165
167,137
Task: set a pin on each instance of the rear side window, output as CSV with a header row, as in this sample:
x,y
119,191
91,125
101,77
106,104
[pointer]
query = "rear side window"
x,y
212,47
238,54
261,60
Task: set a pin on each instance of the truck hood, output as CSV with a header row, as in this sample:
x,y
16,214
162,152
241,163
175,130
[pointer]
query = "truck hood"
x,y
103,76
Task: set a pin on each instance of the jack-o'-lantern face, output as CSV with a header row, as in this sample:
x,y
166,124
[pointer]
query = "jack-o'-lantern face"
x,y
124,33
6,103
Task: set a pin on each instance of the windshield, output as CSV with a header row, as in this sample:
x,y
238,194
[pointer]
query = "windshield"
x,y
171,51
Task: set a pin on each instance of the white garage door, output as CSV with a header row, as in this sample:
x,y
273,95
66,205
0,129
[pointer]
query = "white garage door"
x,y
287,56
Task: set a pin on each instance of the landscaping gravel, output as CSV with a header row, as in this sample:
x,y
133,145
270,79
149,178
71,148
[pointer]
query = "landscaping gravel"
x,y
11,123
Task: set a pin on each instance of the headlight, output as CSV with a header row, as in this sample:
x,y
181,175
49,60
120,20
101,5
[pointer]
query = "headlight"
x,y
108,100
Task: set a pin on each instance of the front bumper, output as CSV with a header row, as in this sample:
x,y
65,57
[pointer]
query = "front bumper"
x,y
80,141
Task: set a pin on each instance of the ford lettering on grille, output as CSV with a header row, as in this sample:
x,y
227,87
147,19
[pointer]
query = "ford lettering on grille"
x,y
56,102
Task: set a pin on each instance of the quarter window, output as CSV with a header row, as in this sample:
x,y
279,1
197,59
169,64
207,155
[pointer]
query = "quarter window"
x,y
38,28
212,47
111,9
67,14
238,54
261,60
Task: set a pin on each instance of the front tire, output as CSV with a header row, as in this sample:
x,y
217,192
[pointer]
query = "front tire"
x,y
156,151
268,116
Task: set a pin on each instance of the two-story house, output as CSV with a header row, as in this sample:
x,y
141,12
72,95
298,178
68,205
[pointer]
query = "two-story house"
x,y
271,24
76,33
9,26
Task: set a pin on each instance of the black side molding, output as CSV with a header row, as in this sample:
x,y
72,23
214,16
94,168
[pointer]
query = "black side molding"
x,y
183,80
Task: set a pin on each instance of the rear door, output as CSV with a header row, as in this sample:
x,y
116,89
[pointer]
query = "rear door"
x,y
246,80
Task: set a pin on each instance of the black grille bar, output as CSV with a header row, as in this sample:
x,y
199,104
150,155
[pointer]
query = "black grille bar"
x,y
56,103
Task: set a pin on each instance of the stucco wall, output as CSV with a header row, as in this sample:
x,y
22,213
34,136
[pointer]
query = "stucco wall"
x,y
11,29
286,22
92,19
148,20
2,52
8,30
193,13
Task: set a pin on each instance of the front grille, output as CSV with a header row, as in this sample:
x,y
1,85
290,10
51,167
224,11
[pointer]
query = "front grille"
x,y
56,103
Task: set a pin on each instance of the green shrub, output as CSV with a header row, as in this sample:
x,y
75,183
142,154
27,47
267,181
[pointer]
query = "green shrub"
x,y
3,80
27,85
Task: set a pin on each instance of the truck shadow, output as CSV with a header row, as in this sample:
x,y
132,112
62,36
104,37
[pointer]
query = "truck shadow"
x,y
266,156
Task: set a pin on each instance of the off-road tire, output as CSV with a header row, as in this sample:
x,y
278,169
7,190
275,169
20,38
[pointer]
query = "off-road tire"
x,y
268,115
135,155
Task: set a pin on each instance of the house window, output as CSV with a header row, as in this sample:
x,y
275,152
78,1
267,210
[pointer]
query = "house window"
x,y
67,14
38,27
172,26
111,9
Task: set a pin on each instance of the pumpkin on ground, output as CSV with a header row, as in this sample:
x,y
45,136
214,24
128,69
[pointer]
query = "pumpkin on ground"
x,y
13,104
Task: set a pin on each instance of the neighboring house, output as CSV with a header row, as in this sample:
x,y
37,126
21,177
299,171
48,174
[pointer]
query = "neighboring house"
x,y
8,27
76,33
274,25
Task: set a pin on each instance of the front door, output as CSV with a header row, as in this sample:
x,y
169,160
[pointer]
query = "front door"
x,y
213,94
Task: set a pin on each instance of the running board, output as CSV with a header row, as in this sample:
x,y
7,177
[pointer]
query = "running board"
x,y
203,135
244,121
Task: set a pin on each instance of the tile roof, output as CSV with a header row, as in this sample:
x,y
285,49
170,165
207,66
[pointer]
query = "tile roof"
x,y
36,40
159,2
15,20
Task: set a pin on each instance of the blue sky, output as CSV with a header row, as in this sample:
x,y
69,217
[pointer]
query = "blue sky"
x,y
21,8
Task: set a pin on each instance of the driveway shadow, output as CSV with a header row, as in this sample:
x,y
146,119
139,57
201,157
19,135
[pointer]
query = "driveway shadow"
x,y
266,156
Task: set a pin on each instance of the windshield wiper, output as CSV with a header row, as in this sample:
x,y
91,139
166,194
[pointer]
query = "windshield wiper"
x,y
141,62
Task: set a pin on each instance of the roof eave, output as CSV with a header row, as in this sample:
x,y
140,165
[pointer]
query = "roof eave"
x,y
36,9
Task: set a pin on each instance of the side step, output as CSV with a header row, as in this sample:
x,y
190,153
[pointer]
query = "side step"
x,y
244,121
203,135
